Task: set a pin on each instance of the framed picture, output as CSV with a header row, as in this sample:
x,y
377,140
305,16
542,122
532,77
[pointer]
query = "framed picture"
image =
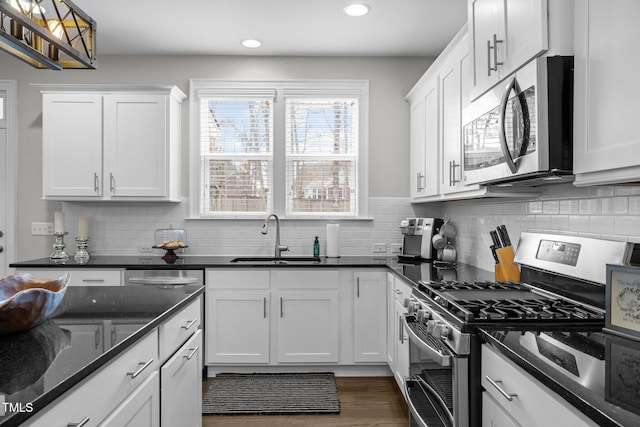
x,y
623,301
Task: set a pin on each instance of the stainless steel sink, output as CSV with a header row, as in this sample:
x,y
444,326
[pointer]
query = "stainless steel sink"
x,y
274,260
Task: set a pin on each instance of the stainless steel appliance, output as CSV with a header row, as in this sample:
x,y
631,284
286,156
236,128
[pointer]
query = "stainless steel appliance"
x,y
522,132
562,285
417,237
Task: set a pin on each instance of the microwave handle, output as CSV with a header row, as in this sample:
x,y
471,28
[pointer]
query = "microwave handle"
x,y
511,162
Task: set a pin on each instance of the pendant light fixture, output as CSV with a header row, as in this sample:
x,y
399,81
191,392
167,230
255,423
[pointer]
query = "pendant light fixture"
x,y
52,34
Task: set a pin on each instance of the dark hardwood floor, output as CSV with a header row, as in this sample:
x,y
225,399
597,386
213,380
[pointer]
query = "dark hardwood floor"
x,y
364,401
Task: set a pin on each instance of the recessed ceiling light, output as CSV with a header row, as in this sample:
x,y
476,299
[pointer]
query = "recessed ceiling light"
x,y
251,43
356,9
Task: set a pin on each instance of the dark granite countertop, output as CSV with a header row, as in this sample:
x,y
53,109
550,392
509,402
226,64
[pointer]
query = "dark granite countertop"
x,y
92,325
598,373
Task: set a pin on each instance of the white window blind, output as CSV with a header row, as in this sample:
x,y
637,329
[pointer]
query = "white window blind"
x,y
236,154
322,146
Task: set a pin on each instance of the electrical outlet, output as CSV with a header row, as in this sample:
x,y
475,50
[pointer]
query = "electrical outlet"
x,y
144,249
379,248
396,248
42,229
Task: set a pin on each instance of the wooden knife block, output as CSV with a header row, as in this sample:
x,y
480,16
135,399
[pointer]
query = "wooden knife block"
x,y
506,269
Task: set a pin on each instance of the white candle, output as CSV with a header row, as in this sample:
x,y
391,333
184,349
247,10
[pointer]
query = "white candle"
x,y
58,222
83,228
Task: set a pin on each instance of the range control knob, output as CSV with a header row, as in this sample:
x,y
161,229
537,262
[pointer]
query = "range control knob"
x,y
423,315
413,307
445,332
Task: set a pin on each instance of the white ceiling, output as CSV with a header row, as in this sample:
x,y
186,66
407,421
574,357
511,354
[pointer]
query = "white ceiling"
x,y
286,27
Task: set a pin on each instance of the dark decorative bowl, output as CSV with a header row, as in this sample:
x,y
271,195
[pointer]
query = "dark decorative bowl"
x,y
26,302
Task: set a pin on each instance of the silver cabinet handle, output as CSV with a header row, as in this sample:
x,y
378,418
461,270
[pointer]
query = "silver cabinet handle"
x,y
419,182
489,58
193,351
96,336
495,54
189,324
139,371
84,422
400,331
96,182
264,307
281,307
93,280
495,383
452,173
112,182
357,287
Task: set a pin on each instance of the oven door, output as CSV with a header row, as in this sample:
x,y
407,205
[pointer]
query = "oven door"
x,y
437,388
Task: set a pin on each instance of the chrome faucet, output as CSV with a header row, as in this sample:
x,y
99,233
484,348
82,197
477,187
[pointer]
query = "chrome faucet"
x,y
265,228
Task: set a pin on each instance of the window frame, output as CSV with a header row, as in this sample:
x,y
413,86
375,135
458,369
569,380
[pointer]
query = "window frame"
x,y
282,88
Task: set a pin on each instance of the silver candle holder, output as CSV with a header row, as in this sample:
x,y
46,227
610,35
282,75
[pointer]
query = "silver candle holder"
x,y
82,256
59,256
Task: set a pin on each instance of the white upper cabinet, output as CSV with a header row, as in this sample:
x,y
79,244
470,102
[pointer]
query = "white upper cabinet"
x,y
103,143
504,35
436,103
606,137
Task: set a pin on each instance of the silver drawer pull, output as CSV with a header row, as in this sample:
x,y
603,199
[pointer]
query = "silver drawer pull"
x,y
190,324
93,280
84,421
193,351
495,383
139,371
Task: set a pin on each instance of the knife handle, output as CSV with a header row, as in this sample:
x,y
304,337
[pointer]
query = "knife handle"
x,y
493,252
504,235
495,239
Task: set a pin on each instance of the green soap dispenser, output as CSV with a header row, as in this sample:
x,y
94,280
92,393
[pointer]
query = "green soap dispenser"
x,y
316,247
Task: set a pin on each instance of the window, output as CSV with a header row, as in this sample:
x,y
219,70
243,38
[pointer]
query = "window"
x,y
296,148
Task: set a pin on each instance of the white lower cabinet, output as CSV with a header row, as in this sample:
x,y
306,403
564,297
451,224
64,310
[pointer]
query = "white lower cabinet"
x,y
369,325
527,401
238,316
397,339
157,381
180,401
307,321
140,408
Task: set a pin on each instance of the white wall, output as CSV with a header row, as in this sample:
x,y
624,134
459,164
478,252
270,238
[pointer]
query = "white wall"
x,y
390,79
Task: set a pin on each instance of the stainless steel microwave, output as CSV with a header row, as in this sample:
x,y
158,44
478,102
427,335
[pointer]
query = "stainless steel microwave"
x,y
522,132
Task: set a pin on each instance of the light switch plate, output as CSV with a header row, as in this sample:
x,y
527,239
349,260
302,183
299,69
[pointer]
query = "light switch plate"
x,y
396,248
42,229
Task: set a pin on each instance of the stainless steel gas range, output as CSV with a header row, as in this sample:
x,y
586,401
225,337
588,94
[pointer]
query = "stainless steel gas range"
x,y
562,286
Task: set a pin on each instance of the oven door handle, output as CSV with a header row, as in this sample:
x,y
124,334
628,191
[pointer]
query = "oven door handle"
x,y
445,420
435,354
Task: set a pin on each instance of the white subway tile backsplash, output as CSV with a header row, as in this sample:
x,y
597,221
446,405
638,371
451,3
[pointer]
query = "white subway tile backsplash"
x,y
590,206
601,224
615,205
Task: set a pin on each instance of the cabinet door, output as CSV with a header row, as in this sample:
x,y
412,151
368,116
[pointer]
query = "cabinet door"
x,y
181,387
493,415
391,326
141,408
432,138
606,138
237,326
401,373
71,145
136,145
307,326
369,326
454,89
417,148
484,27
525,32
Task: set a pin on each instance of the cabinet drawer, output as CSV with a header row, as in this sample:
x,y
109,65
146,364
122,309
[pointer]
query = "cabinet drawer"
x,y
524,396
97,396
237,279
80,277
179,328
